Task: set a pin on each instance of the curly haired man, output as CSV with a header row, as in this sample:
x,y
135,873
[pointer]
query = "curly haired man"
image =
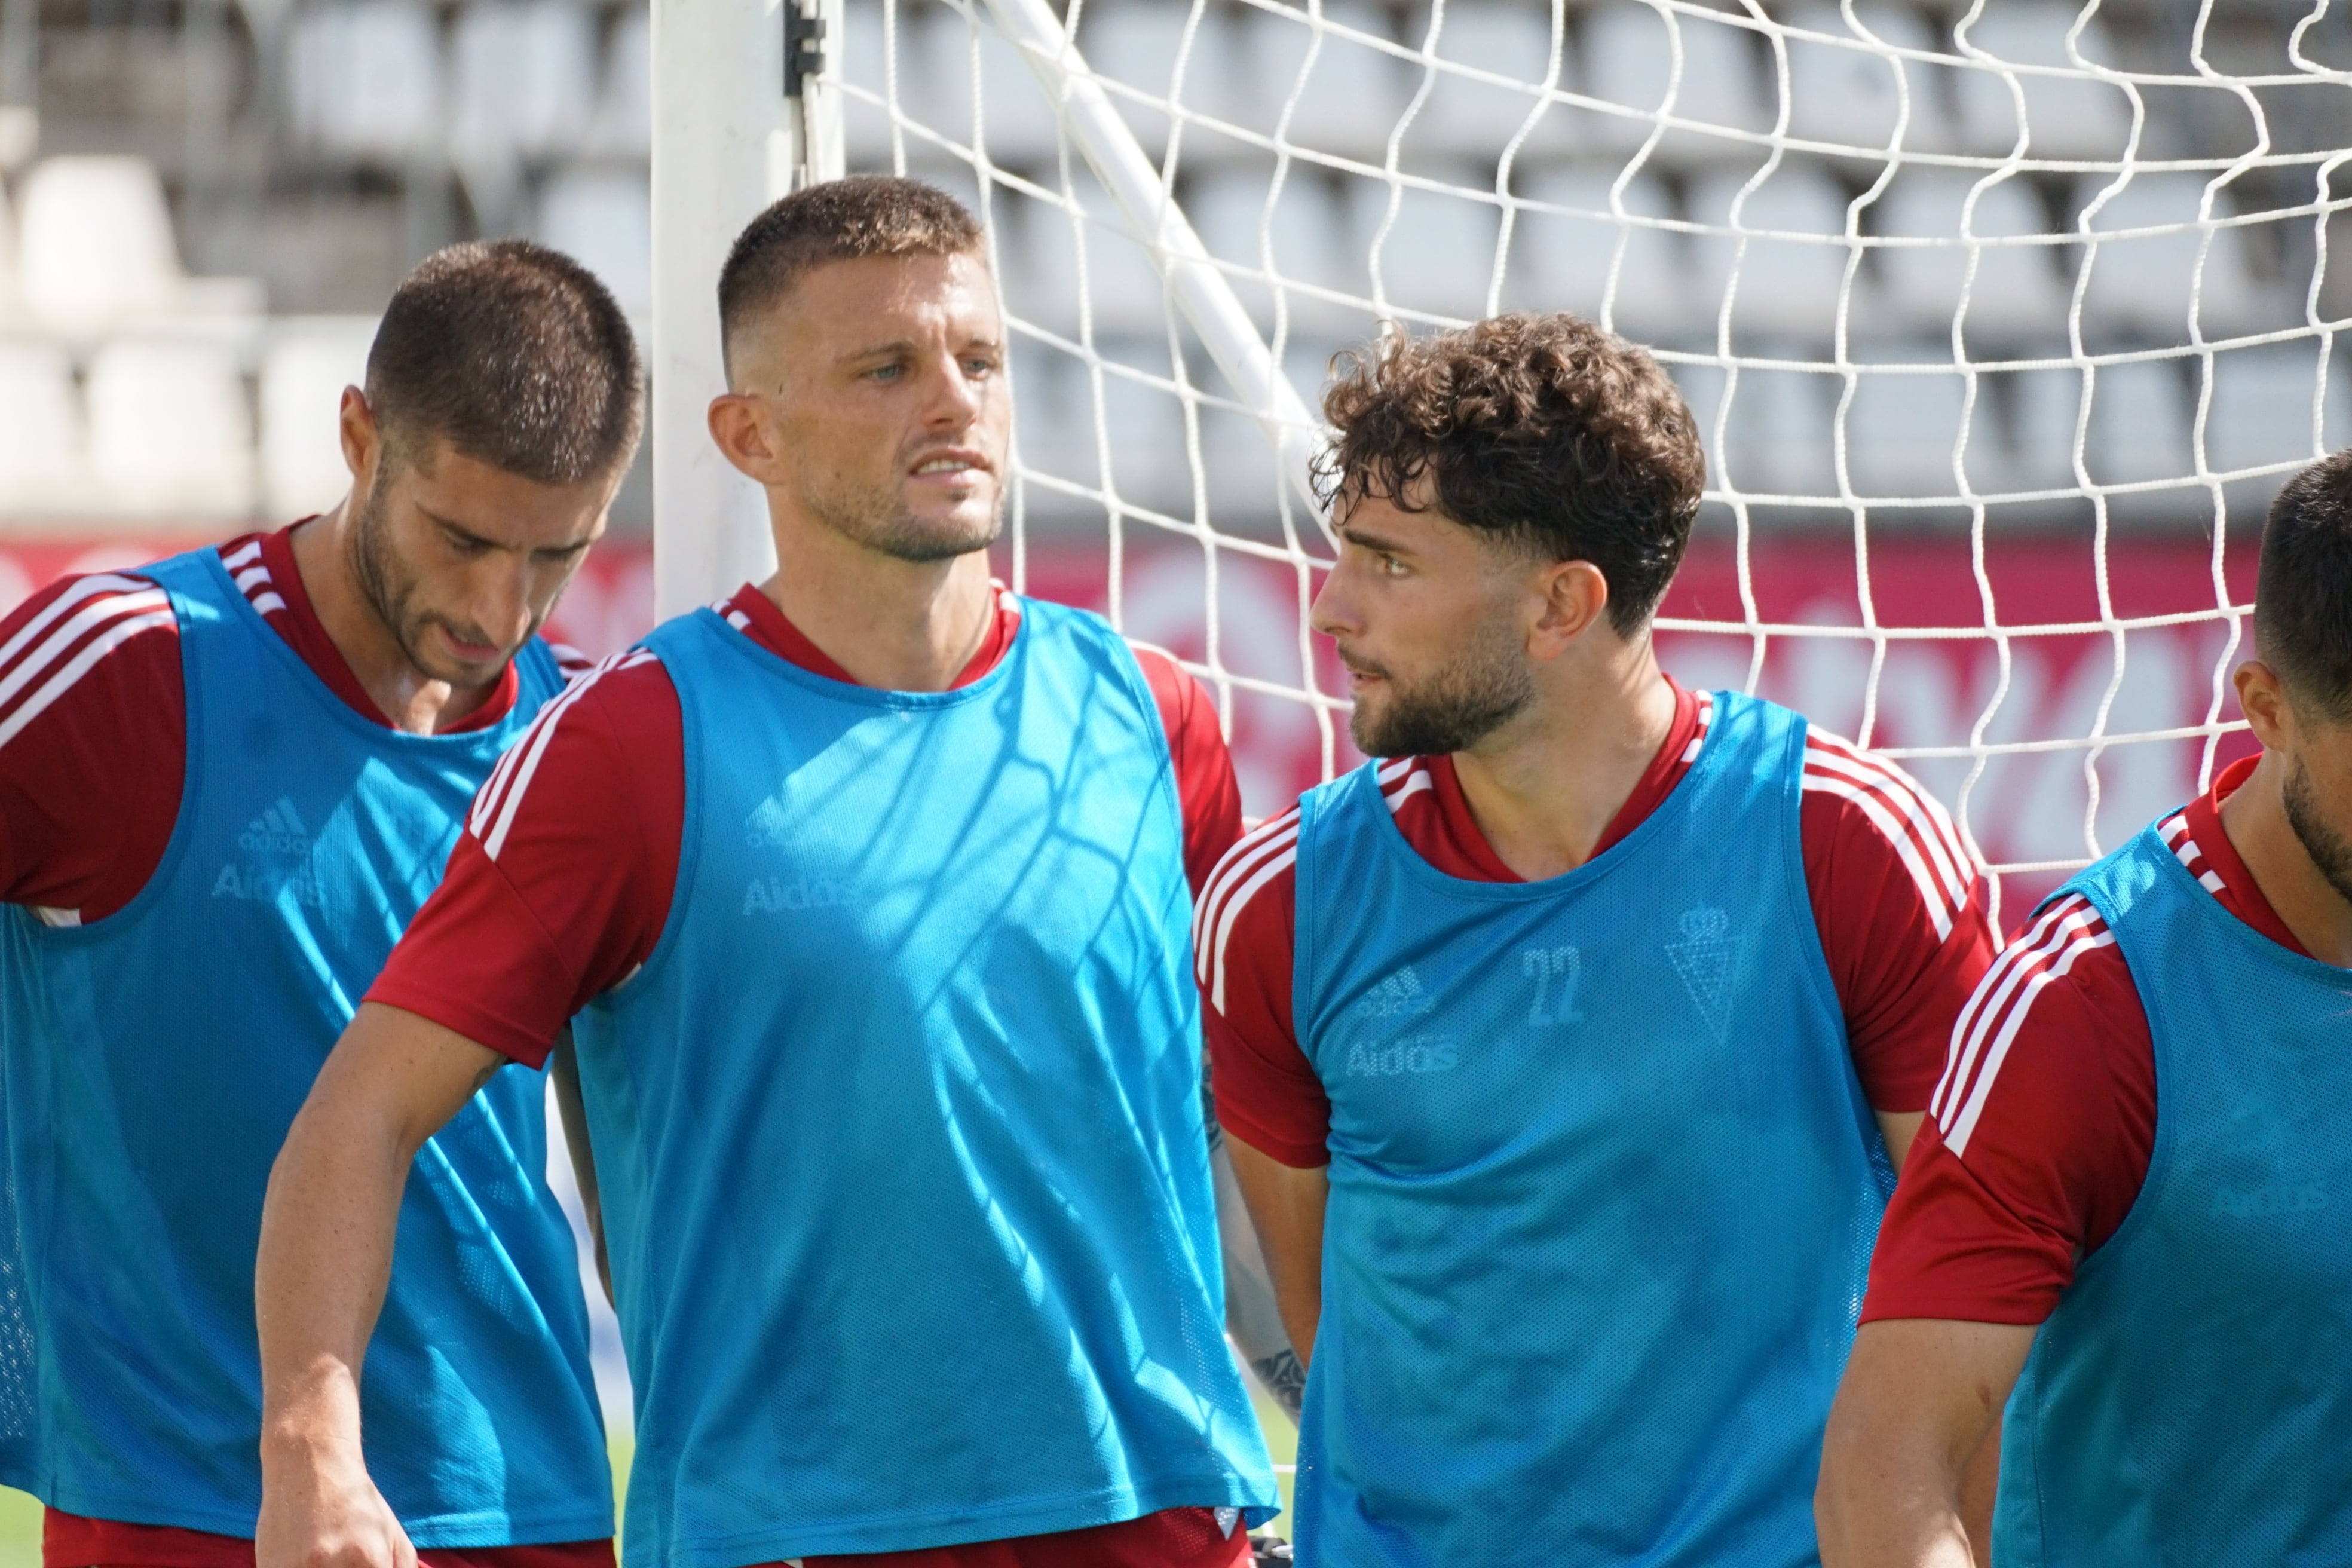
x,y
1549,1047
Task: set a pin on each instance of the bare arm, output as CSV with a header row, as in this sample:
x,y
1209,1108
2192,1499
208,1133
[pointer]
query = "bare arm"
x,y
1286,1206
1920,1396
1898,1128
327,1232
564,1072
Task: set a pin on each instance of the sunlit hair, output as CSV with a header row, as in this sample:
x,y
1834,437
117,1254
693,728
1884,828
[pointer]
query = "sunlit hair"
x,y
516,356
1539,429
839,220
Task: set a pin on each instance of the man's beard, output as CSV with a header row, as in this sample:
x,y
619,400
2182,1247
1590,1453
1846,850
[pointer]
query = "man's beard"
x,y
1484,687
390,587
2327,849
875,516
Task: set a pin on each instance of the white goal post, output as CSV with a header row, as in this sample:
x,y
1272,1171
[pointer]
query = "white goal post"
x,y
2003,321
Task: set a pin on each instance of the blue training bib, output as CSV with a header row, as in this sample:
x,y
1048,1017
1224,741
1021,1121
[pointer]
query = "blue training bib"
x,y
151,1063
1603,1185
905,1175
2187,1401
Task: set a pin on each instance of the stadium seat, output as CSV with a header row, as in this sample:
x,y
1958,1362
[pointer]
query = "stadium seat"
x,y
2020,292
1901,429
1561,262
2142,285
1021,124
303,374
1628,59
97,249
170,432
2139,423
2067,117
1038,250
1787,288
1781,434
865,126
1348,102
1138,44
602,217
41,471
1439,254
625,111
1314,236
1471,117
2047,404
364,79
2261,410
1853,97
524,88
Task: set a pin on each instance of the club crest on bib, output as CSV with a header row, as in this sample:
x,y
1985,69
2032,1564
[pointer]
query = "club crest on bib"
x,y
1704,958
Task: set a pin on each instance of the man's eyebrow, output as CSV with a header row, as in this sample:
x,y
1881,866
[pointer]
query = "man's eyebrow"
x,y
899,346
460,530
1353,533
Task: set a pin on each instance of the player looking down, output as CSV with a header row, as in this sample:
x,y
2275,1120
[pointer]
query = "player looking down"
x,y
1548,1049
868,887
226,782
2128,1206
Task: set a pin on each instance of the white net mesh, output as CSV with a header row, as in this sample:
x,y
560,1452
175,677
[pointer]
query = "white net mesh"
x,y
2003,324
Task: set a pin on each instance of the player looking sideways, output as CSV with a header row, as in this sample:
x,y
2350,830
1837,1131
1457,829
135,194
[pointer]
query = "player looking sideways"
x,y
227,781
2137,1169
868,887
1547,1049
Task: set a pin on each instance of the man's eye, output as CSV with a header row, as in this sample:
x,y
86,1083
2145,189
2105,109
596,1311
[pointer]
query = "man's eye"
x,y
887,371
980,369
1391,566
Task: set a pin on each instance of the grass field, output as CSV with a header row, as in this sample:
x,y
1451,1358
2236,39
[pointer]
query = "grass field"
x,y
20,1516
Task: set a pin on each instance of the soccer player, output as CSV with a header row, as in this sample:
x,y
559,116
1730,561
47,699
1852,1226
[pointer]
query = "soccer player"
x,y
1547,1048
870,889
226,782
2128,1206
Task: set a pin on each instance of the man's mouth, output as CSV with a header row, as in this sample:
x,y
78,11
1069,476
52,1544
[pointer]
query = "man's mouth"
x,y
949,463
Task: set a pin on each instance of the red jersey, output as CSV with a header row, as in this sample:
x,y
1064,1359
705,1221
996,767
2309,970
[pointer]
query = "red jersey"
x,y
562,882
93,737
2043,1120
1900,911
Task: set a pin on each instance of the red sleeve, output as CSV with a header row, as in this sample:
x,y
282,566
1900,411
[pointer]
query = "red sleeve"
x,y
562,881
1267,1094
1205,784
1901,914
93,742
2038,1137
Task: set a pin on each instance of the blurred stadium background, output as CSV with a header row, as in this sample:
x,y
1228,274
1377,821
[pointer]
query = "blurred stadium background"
x,y
203,202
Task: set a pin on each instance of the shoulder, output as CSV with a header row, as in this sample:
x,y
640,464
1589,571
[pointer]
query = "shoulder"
x,y
1254,891
1866,817
619,714
569,662
2059,997
79,636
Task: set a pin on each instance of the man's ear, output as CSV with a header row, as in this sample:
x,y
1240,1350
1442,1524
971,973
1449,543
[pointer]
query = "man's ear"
x,y
1575,598
739,425
363,439
2268,712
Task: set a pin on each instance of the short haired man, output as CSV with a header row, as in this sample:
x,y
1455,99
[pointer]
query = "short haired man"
x,y
226,782
870,889
2128,1208
1547,1049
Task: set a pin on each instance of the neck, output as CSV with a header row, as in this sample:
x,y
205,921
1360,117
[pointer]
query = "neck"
x,y
896,625
1544,787
406,696
2305,901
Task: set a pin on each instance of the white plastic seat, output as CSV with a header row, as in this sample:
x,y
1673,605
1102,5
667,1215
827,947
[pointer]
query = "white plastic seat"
x,y
1469,116
858,55
2139,424
1021,124
97,246
625,110
1781,434
2018,290
2071,116
1314,238
170,432
41,470
1901,430
525,77
2048,405
1628,59
364,78
303,375
1136,44
1350,100
2142,284
1787,288
602,218
1561,261
1855,96
2261,411
1038,262
1439,254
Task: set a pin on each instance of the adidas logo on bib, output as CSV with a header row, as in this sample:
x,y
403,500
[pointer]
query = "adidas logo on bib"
x,y
1399,996
278,845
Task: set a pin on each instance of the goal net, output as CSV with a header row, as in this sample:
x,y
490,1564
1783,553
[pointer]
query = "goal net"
x,y
2002,323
